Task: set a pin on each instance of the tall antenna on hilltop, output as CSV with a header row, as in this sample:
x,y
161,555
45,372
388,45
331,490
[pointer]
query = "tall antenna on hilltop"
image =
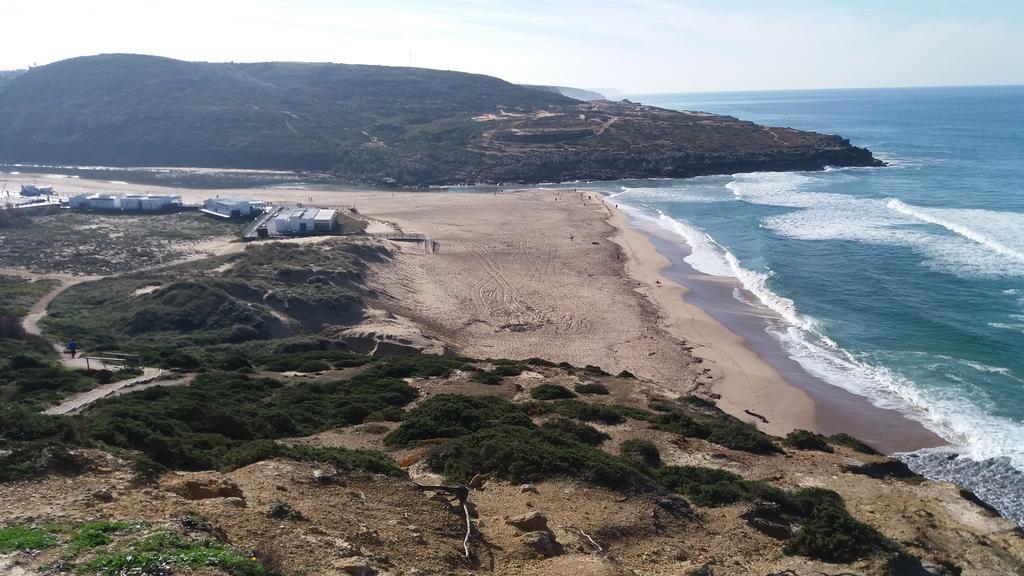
x,y
410,58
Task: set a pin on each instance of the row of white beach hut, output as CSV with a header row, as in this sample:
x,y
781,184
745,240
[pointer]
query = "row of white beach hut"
x,y
124,202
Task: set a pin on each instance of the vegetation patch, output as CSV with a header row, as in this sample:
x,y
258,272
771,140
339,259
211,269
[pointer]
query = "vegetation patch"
x,y
575,430
591,388
19,294
640,453
829,533
162,550
844,439
214,422
105,244
527,453
16,538
451,416
93,535
550,392
806,440
699,418
713,486
269,291
610,414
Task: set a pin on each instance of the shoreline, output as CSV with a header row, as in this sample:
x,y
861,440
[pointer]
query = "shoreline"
x,y
749,369
752,371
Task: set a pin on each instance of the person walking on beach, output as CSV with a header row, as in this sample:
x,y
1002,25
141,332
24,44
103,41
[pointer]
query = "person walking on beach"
x,y
72,348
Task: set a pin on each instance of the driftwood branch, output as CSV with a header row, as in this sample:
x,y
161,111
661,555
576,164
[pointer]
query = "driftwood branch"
x,y
461,493
579,532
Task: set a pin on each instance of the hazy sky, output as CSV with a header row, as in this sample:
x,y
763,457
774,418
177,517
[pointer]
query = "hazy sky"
x,y
632,46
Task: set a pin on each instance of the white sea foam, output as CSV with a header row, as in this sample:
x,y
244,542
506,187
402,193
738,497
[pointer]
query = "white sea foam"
x,y
976,243
1001,220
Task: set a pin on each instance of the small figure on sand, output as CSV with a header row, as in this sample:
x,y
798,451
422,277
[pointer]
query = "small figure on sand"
x,y
572,238
73,348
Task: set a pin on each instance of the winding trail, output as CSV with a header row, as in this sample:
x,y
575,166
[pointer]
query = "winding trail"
x,y
30,323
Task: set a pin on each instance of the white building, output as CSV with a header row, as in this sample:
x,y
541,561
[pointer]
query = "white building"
x,y
233,207
124,203
94,202
291,221
147,203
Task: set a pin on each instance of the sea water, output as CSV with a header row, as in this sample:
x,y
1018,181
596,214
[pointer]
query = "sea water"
x,y
904,284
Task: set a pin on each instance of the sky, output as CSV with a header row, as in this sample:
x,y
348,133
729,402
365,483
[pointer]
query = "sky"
x,y
621,47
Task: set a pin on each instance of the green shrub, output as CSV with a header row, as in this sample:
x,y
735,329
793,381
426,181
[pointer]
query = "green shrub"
x,y
844,439
418,366
16,538
806,440
388,414
626,374
93,535
610,414
540,362
370,461
489,378
166,549
714,487
681,424
310,366
591,388
579,432
508,370
526,453
206,424
741,436
550,392
829,533
641,453
450,416
595,370
702,403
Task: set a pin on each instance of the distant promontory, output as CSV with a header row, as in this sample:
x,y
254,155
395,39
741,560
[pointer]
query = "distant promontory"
x,y
374,124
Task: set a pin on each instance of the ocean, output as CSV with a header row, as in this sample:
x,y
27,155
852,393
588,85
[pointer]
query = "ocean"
x,y
903,284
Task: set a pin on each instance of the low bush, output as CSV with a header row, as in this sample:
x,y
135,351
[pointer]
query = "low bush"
x,y
741,436
681,424
641,453
370,461
526,453
626,374
16,538
93,535
550,392
207,424
844,439
540,362
450,416
162,550
591,388
489,378
828,532
579,432
508,370
806,440
714,487
595,370
604,413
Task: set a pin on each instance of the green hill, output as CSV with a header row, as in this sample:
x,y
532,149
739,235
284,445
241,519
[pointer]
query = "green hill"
x,y
373,124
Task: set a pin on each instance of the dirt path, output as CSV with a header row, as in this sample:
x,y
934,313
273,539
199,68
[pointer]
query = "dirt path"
x,y
30,323
79,401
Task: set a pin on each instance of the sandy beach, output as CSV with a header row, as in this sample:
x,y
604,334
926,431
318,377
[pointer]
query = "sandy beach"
x,y
566,276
